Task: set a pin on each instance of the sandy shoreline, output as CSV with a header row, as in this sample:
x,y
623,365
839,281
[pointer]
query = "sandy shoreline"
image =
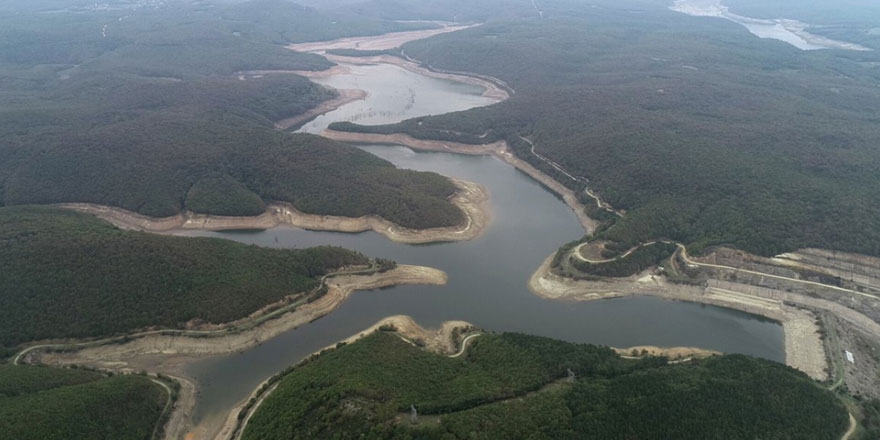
x,y
345,96
339,289
471,198
169,354
376,42
803,344
498,149
491,87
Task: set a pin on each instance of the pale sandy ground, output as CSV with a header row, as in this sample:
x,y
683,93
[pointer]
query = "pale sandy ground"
x,y
378,42
803,346
675,354
498,149
471,198
170,354
490,85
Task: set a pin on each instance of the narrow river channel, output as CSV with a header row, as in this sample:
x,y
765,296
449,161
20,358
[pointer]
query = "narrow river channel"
x,y
487,276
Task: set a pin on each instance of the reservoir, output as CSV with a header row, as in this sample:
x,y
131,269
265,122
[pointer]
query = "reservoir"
x,y
487,276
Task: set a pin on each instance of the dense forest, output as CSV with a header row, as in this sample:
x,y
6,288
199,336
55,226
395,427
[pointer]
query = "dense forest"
x,y
519,387
41,403
66,274
642,258
152,110
700,131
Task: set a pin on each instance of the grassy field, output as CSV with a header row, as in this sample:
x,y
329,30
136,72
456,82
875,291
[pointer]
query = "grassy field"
x,y
515,386
41,403
702,132
66,274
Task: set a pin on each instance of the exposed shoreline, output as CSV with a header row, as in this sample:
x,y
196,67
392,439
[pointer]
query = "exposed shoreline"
x,y
471,198
803,344
498,149
442,341
345,96
491,88
376,42
439,341
168,354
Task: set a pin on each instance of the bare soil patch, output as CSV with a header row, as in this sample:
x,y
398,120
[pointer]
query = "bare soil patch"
x,y
377,42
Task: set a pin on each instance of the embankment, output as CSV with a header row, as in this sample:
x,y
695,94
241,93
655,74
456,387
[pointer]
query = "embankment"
x,y
492,87
471,198
803,345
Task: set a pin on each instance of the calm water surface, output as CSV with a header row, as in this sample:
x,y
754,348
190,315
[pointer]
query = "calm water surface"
x,y
487,276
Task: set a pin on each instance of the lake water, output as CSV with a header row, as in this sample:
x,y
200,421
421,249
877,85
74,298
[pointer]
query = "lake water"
x,y
487,276
395,94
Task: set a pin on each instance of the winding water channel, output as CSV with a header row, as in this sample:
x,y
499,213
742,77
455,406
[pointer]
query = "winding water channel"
x,y
487,276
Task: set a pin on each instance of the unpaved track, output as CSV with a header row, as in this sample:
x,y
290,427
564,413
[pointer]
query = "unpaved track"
x,y
167,407
852,428
687,260
464,343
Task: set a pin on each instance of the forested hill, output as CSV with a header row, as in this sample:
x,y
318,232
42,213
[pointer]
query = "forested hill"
x,y
514,386
41,403
66,274
144,109
702,132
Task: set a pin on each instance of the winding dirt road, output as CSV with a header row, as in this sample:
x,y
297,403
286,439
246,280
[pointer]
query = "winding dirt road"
x,y
464,343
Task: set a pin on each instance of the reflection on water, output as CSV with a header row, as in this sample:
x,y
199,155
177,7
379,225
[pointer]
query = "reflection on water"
x,y
487,287
403,95
790,31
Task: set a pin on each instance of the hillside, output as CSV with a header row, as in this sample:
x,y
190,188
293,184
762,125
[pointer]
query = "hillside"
x,y
700,131
516,386
146,110
66,274
41,403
